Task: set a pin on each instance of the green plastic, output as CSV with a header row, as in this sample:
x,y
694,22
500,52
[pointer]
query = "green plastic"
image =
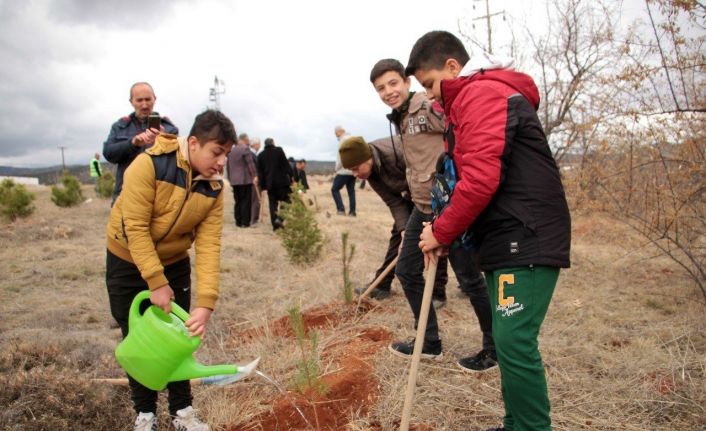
x,y
158,348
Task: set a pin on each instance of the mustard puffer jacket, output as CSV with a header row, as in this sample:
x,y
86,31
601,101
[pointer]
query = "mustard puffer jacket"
x,y
161,211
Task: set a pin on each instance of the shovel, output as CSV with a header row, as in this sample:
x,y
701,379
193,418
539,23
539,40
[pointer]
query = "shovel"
x,y
377,281
221,380
418,343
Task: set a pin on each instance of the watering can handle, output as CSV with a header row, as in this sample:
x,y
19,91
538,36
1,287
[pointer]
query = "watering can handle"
x,y
145,295
179,312
135,306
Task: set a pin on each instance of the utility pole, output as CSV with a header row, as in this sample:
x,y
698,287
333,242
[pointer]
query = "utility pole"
x,y
63,164
487,17
219,87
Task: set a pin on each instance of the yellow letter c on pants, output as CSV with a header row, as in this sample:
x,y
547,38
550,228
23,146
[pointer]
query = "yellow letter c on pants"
x,y
502,279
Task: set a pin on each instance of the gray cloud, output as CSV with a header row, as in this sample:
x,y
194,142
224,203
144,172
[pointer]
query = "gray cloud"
x,y
128,14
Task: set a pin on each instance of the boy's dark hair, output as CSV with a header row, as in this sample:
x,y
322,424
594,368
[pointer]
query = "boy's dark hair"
x,y
433,49
269,142
302,160
213,125
386,65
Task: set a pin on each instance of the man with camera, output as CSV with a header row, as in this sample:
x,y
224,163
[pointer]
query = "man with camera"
x,y
132,134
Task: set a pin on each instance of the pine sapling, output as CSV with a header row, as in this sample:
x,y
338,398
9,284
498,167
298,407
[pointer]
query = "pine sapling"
x,y
308,374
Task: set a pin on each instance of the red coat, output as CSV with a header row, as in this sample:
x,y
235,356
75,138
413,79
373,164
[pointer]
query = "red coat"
x,y
509,190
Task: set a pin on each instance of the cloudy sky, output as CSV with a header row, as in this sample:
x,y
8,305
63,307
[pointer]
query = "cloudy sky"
x,y
292,70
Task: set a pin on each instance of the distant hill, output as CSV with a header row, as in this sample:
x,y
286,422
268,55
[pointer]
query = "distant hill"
x,y
316,167
51,174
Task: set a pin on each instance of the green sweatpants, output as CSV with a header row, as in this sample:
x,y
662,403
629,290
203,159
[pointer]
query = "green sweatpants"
x,y
519,298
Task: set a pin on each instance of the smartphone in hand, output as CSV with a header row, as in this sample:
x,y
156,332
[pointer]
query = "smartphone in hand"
x,y
153,121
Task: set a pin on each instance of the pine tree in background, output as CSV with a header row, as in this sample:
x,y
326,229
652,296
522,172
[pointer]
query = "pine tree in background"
x,y
301,236
15,200
68,195
105,185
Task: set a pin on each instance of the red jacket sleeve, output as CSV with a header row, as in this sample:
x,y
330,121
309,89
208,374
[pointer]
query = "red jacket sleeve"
x,y
479,115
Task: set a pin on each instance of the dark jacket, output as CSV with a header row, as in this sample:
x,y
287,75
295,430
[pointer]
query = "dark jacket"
x,y
509,190
300,177
118,147
388,179
273,168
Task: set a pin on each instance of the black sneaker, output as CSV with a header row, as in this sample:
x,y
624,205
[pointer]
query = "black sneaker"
x,y
377,293
482,361
405,349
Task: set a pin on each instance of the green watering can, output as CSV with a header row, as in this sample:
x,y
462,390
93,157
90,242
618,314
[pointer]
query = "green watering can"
x,y
158,349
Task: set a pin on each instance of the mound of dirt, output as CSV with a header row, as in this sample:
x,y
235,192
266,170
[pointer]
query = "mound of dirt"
x,y
324,316
352,387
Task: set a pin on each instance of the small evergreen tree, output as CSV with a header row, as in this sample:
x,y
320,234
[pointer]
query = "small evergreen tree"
x,y
308,374
300,235
105,185
68,195
347,257
15,200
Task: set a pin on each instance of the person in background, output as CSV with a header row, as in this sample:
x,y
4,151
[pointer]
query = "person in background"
x,y
293,166
242,174
131,135
257,194
300,174
276,178
172,198
509,193
96,169
343,177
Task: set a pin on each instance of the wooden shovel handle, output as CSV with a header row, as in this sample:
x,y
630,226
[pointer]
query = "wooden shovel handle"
x,y
418,344
377,281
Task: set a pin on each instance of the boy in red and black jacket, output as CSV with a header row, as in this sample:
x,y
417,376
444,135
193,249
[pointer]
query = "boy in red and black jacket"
x,y
509,193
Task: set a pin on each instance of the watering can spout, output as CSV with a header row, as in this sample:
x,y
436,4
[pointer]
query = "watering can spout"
x,y
190,369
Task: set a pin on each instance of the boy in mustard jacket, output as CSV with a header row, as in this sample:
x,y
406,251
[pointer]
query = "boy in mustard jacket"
x,y
172,197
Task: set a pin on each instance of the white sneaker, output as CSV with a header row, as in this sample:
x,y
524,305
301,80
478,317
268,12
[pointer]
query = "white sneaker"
x,y
186,420
146,422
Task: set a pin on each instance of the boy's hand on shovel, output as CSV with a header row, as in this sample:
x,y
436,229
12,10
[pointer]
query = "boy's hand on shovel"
x,y
429,245
162,297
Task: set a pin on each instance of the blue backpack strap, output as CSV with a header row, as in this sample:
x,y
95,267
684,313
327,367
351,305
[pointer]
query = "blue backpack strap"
x,y
443,186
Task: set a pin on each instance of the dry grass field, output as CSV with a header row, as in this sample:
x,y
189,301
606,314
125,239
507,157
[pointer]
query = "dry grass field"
x,y
624,341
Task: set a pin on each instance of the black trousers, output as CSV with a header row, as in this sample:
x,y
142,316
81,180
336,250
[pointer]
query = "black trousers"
x,y
409,271
124,283
274,197
242,195
392,250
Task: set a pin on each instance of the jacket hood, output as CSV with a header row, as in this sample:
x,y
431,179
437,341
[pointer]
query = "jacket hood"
x,y
518,81
166,143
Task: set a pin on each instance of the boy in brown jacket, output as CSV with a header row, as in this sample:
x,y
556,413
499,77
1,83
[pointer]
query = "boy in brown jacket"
x,y
420,125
